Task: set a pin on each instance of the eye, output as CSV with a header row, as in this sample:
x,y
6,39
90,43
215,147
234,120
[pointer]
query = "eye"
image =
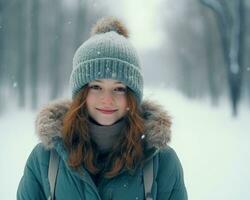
x,y
95,87
120,90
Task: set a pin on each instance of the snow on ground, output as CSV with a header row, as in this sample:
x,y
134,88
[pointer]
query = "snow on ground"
x,y
212,146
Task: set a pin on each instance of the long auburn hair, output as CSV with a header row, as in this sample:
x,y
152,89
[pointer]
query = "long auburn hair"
x,y
126,154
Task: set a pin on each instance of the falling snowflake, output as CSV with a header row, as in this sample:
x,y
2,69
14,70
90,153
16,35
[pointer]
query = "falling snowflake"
x,y
108,69
15,84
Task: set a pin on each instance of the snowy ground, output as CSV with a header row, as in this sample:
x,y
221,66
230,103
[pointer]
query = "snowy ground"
x,y
212,146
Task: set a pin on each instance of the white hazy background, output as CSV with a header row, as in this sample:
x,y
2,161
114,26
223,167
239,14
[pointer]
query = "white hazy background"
x,y
212,146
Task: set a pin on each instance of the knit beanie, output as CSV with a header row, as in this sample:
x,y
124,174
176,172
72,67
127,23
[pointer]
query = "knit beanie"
x,y
107,54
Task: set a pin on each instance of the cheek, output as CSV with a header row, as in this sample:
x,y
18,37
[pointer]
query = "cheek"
x,y
90,101
123,103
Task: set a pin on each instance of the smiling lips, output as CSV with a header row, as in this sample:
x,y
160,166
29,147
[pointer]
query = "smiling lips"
x,y
106,111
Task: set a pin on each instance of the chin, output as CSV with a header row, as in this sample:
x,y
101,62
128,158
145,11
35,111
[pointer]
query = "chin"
x,y
105,123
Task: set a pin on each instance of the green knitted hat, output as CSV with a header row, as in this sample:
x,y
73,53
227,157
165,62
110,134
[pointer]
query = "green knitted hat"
x,y
107,54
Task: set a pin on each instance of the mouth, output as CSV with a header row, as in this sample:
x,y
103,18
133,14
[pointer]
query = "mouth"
x,y
106,111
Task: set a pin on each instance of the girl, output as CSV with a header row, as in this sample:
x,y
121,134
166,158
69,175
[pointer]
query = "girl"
x,y
106,135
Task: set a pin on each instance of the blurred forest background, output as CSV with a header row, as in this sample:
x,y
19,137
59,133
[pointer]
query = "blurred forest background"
x,y
203,53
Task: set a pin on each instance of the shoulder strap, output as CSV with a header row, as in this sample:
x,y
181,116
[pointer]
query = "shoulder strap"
x,y
52,172
148,176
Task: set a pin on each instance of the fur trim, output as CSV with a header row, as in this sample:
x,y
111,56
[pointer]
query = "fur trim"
x,y
157,123
49,121
108,24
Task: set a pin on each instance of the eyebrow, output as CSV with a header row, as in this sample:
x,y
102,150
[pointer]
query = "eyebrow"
x,y
100,81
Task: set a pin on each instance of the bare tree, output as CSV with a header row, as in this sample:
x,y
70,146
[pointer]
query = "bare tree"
x,y
230,16
55,51
81,15
21,49
213,56
185,50
34,42
1,51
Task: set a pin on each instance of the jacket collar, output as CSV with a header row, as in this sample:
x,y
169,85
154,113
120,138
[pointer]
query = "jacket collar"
x,y
157,123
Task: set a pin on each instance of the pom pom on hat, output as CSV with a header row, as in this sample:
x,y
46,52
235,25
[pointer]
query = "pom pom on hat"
x,y
108,24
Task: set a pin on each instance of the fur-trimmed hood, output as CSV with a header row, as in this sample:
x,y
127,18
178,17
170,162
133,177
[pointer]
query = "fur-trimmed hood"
x,y
157,123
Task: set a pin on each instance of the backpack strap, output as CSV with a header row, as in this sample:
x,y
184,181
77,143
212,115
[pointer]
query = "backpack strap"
x,y
52,172
148,176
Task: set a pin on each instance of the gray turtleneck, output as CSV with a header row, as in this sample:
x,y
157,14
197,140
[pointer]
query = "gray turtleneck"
x,y
105,136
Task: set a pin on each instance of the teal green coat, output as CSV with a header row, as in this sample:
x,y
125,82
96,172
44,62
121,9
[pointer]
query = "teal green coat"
x,y
168,174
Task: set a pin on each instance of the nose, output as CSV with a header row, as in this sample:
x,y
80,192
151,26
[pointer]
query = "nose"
x,y
107,98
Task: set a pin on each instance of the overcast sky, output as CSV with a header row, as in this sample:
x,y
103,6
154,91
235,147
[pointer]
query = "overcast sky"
x,y
143,21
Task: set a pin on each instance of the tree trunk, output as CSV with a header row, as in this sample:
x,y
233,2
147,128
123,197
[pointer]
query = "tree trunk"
x,y
34,52
21,66
56,69
231,24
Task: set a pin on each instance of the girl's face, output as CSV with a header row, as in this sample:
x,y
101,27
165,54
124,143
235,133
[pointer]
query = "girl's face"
x,y
106,101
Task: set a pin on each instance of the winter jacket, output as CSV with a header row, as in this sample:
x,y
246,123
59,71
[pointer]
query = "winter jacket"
x,y
71,184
